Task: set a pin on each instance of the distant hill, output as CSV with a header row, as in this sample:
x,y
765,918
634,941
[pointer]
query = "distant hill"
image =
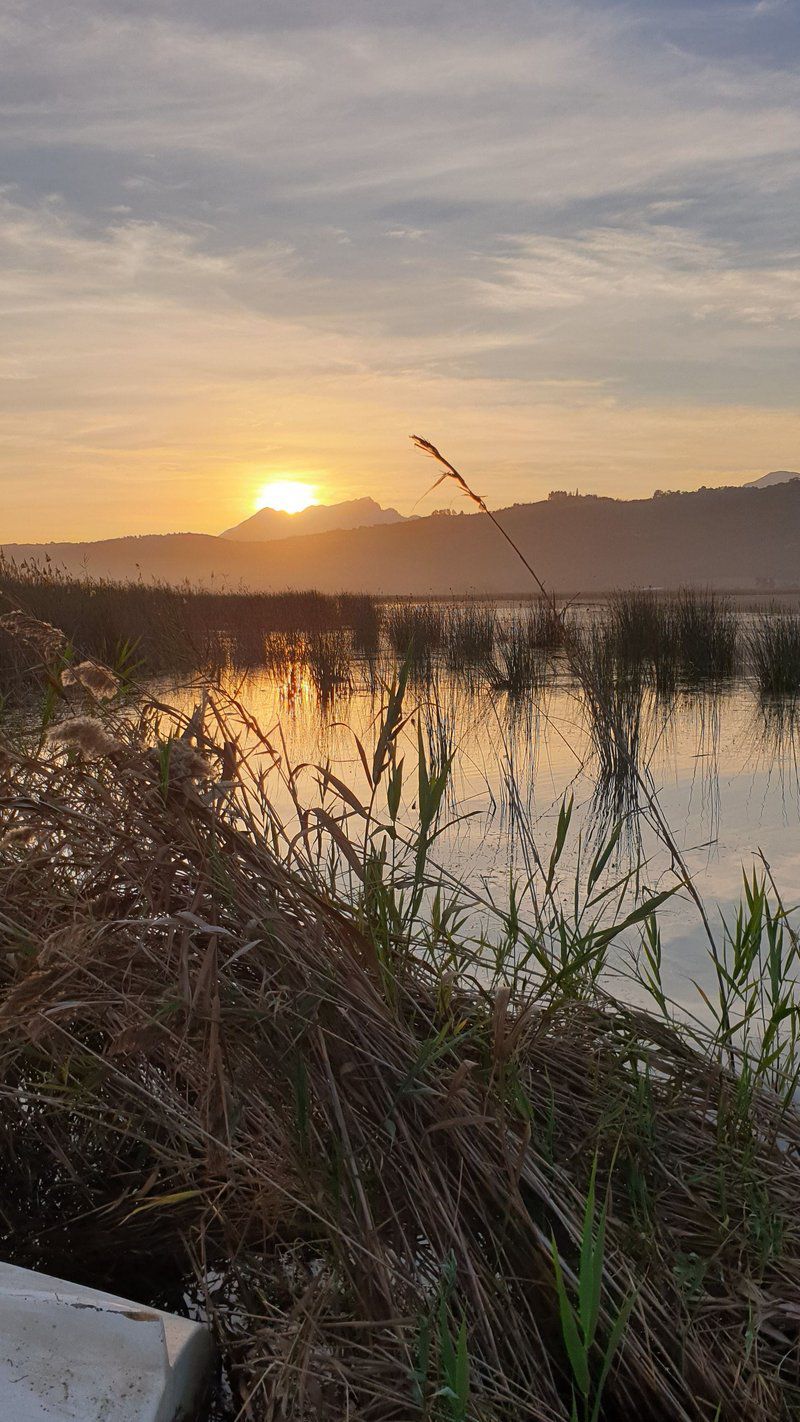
x,y
725,538
269,524
778,476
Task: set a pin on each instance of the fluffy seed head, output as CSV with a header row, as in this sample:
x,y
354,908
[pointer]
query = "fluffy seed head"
x,y
98,680
186,763
86,735
47,640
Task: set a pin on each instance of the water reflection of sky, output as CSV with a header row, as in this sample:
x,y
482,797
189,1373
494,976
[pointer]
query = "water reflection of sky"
x,y
726,778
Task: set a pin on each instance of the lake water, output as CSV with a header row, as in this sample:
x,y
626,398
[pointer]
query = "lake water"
x,y
725,772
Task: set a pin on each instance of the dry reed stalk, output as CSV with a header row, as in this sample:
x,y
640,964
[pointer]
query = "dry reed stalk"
x,y
203,1065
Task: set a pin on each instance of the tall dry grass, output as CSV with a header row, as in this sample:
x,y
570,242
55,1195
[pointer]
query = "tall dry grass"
x,y
406,1182
152,629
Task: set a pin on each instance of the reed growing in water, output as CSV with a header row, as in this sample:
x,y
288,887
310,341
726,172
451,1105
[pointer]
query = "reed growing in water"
x,y
547,628
155,628
613,691
707,633
471,630
518,664
774,645
693,634
416,629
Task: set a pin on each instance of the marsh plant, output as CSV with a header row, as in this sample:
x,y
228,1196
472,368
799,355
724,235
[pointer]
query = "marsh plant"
x,y
471,630
774,645
707,633
416,630
517,665
328,660
692,634
640,625
616,706
363,615
414,1171
157,629
548,627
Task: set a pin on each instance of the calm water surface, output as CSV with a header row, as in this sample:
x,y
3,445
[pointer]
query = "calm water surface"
x,y
725,772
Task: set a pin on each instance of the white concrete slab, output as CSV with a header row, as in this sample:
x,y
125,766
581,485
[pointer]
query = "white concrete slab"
x,y
71,1354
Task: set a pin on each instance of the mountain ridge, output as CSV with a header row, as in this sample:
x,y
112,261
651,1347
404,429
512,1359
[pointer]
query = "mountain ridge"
x,y
730,537
776,476
268,524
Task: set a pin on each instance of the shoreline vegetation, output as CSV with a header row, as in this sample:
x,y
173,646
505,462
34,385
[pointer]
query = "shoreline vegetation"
x,y
406,1169
688,637
403,1173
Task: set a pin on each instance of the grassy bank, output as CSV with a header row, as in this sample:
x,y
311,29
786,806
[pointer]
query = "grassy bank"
x,y
406,1173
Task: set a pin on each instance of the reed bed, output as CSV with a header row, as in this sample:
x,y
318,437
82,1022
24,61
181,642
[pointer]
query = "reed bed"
x,y
640,625
692,634
641,628
155,628
707,634
466,634
322,660
402,1181
363,615
416,630
547,627
471,630
17,661
329,664
518,663
774,644
689,637
613,691
630,664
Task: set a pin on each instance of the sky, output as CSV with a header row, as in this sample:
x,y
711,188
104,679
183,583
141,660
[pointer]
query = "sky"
x,y
253,239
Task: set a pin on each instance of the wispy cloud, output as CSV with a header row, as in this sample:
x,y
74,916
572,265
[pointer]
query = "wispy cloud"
x,y
663,277
241,236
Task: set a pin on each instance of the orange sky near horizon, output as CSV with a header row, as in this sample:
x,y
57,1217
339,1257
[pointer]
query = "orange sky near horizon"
x,y
246,243
515,453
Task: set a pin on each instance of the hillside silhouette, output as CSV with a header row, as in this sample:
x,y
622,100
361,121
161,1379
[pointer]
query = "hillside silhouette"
x,y
268,524
726,538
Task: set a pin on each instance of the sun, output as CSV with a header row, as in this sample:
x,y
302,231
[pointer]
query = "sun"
x,y
287,495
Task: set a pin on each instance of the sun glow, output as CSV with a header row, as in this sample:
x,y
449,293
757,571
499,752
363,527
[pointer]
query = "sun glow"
x,y
288,495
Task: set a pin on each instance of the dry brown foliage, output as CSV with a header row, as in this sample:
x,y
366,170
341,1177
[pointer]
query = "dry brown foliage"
x,y
208,1071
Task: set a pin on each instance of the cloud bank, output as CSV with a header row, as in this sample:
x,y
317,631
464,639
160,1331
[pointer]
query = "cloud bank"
x,y
558,239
